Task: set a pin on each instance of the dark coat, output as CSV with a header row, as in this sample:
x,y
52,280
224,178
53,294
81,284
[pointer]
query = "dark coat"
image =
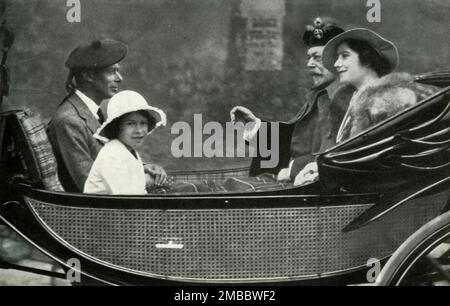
x,y
71,135
312,130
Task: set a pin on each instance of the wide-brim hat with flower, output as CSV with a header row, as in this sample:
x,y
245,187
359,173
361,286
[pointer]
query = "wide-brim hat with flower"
x,y
385,48
125,102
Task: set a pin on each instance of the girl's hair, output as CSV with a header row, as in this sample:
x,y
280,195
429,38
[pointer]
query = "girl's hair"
x,y
112,130
369,57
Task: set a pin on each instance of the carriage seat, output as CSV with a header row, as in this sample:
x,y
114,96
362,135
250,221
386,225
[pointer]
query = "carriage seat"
x,y
26,151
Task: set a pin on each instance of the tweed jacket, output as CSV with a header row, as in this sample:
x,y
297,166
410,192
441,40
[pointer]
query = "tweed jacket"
x,y
388,96
71,133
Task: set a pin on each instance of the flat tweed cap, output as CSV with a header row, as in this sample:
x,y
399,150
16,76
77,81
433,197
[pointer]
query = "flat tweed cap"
x,y
97,54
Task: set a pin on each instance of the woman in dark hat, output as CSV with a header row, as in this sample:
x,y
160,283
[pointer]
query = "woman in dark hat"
x,y
366,61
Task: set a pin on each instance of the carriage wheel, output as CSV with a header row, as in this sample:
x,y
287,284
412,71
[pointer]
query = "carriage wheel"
x,y
423,259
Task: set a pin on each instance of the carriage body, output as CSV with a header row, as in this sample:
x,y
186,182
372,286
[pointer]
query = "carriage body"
x,y
376,189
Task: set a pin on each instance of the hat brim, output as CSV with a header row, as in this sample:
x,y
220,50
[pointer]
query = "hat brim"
x,y
384,47
154,112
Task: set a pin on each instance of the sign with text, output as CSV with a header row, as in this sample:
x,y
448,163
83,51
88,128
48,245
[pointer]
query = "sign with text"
x,y
264,34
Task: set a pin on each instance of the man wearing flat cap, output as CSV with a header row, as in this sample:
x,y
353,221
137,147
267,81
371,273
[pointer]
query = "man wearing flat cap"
x,y
94,76
313,129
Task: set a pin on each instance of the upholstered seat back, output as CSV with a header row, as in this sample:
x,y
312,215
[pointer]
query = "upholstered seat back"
x,y
32,145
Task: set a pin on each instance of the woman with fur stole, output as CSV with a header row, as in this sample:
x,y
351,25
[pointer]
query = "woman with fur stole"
x,y
366,61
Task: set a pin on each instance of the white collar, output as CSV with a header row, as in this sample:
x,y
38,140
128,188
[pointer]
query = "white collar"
x,y
93,107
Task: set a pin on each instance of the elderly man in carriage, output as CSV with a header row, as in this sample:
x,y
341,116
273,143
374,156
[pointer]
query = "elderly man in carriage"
x,y
313,128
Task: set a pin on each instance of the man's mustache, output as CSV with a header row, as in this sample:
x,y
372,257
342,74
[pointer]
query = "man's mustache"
x,y
315,73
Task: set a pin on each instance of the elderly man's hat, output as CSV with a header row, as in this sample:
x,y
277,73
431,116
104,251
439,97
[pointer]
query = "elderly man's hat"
x,y
320,33
98,54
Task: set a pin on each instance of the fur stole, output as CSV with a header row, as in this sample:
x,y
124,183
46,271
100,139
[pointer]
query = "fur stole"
x,y
388,96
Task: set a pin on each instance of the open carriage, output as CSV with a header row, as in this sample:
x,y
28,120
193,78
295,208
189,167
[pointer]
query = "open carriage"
x,y
375,190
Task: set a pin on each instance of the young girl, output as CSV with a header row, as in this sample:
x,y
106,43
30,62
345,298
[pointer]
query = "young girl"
x,y
118,169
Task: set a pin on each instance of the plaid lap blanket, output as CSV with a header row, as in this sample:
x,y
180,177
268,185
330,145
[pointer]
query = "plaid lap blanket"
x,y
262,182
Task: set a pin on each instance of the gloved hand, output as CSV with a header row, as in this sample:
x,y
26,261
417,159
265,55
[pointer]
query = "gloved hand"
x,y
284,175
243,114
308,175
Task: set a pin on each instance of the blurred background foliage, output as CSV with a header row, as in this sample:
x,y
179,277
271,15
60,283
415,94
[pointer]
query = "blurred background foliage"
x,y
184,55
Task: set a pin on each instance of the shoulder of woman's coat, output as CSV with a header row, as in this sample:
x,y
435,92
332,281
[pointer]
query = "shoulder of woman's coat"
x,y
343,95
387,87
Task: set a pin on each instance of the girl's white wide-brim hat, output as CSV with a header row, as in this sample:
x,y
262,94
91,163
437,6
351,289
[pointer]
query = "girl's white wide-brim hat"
x,y
125,102
384,47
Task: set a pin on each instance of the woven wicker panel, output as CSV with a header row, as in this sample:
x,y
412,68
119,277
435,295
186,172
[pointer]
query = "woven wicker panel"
x,y
218,177
235,244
